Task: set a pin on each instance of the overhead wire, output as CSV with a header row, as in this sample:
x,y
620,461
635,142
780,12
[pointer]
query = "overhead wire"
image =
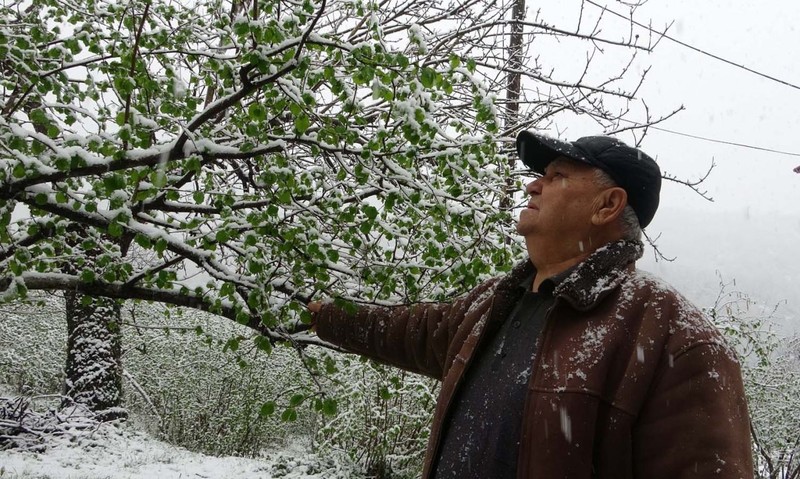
x,y
714,140
716,57
691,47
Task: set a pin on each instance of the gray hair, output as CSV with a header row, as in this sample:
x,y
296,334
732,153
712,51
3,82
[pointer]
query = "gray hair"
x,y
631,230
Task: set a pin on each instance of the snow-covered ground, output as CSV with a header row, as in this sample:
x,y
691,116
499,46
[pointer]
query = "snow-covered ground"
x,y
112,452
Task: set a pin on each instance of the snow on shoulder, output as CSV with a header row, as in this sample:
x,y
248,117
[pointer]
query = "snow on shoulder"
x,y
685,318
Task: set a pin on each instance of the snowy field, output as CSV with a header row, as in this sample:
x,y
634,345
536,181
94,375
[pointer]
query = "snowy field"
x,y
117,453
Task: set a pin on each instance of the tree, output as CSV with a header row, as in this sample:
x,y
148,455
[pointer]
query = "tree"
x,y
266,151
93,370
770,366
773,390
93,367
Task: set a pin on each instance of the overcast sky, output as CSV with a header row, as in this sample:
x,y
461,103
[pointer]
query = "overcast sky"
x,y
751,232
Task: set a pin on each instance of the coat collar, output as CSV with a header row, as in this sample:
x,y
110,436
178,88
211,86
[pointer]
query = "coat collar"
x,y
591,280
599,274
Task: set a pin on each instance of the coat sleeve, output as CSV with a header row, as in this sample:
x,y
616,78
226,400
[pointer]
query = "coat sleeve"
x,y
696,423
415,337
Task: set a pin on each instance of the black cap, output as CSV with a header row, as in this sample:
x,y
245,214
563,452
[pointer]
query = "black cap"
x,y
630,168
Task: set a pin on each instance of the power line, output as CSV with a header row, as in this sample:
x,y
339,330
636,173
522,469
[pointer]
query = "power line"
x,y
698,50
716,57
724,142
705,138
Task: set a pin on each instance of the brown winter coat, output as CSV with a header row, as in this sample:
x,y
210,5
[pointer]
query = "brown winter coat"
x,y
630,380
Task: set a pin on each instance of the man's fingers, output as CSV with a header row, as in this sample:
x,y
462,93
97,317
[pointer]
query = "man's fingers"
x,y
314,306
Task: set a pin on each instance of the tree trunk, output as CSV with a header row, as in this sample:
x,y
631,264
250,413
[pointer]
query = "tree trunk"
x,y
94,369
513,86
514,80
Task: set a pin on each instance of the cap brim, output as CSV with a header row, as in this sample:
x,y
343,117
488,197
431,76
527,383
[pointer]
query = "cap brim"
x,y
537,151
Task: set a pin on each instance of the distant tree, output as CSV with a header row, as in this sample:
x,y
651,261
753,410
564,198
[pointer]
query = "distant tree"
x,y
266,151
771,371
774,389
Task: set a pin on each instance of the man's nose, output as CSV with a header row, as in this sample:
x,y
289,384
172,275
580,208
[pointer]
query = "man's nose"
x,y
534,187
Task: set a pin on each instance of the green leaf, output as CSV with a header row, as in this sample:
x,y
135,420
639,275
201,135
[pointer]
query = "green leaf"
x,y
289,415
389,203
161,245
402,60
19,171
257,112
329,407
364,75
115,230
330,365
87,276
267,409
38,116
384,393
427,77
193,163
333,255
232,344
114,182
255,267
254,302
455,62
296,400
124,84
263,344
158,178
241,28
222,236
143,241
371,212
242,317
15,267
302,123
62,164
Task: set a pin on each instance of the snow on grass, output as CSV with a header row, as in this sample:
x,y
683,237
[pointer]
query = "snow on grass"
x,y
118,452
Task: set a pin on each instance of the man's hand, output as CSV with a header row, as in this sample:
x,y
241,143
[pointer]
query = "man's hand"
x,y
314,307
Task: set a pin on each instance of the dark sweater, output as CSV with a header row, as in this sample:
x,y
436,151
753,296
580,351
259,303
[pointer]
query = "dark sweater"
x,y
482,435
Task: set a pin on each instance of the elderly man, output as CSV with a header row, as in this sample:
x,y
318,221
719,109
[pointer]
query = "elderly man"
x,y
574,365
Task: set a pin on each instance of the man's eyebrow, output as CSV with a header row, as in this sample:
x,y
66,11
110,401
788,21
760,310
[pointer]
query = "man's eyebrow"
x,y
557,163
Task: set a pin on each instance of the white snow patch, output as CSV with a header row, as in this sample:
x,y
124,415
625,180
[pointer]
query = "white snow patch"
x,y
112,451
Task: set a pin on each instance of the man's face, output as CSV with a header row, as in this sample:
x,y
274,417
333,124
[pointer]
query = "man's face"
x,y
560,203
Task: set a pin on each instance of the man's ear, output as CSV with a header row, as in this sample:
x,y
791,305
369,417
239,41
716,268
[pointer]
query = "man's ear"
x,y
608,206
